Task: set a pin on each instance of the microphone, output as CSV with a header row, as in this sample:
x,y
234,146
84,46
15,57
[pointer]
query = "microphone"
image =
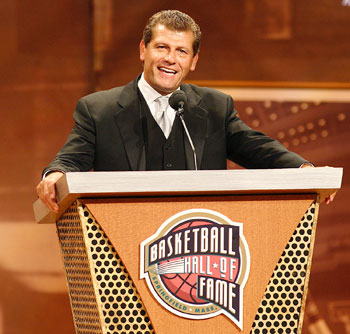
x,y
177,101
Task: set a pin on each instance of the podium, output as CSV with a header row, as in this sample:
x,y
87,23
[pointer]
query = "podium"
x,y
189,251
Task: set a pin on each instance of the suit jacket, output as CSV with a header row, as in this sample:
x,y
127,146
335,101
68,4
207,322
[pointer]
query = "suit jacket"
x,y
108,134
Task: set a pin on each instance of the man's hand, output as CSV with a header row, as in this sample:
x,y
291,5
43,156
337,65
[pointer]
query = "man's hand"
x,y
46,190
330,198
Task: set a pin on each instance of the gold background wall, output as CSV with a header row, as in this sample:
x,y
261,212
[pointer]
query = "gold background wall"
x,y
52,53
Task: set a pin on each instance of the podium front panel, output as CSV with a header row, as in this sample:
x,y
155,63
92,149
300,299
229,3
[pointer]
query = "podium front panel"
x,y
101,238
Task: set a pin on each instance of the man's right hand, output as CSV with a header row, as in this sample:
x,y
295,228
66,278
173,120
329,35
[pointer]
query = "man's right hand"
x,y
46,190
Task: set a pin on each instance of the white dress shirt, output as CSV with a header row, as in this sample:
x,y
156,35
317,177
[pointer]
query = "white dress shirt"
x,y
150,95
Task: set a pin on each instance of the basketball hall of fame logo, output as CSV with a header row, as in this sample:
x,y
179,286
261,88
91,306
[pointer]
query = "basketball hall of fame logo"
x,y
197,264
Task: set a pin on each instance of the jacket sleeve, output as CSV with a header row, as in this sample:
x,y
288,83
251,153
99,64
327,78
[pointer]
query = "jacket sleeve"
x,y
78,153
253,149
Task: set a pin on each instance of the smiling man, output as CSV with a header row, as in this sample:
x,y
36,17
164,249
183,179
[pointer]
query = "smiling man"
x,y
134,128
168,55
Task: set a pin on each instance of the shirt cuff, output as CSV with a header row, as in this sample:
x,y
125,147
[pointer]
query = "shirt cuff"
x,y
51,171
306,164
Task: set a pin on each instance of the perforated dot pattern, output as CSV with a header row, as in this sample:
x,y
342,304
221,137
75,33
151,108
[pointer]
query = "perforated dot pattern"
x,y
118,302
122,308
284,298
75,258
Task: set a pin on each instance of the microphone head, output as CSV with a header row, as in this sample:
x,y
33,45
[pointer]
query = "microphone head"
x,y
177,99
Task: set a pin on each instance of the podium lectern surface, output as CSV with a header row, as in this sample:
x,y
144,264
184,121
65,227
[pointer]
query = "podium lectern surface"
x,y
190,252
323,181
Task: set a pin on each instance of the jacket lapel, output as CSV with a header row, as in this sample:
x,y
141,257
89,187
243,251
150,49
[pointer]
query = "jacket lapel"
x,y
196,120
129,121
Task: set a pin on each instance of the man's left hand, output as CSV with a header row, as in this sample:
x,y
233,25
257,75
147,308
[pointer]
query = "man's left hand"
x,y
330,198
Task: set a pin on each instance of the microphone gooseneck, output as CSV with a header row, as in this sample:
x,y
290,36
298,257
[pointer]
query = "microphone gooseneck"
x,y
177,101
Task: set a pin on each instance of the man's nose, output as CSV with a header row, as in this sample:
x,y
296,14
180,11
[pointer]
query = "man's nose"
x,y
170,57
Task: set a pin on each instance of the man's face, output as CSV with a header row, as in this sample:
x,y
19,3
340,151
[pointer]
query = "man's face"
x,y
168,58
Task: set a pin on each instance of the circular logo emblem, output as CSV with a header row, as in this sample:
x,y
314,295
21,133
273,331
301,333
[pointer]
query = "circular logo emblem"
x,y
196,265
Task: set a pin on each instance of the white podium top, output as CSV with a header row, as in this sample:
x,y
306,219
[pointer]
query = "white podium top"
x,y
322,180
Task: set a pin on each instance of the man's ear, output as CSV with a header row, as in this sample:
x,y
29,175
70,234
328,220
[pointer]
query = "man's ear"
x,y
142,50
194,62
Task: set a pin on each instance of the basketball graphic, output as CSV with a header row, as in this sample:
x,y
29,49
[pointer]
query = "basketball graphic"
x,y
184,285
194,267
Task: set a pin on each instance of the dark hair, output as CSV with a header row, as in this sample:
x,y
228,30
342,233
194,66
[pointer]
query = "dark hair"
x,y
173,20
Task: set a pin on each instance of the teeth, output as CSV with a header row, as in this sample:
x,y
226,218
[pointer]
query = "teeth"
x,y
167,70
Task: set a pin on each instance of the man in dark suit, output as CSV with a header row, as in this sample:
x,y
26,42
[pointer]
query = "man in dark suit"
x,y
120,129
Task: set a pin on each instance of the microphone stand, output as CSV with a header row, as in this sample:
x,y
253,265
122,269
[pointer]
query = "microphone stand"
x,y
180,113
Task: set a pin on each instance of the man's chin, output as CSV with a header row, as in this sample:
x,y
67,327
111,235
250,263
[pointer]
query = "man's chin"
x,y
166,90
166,86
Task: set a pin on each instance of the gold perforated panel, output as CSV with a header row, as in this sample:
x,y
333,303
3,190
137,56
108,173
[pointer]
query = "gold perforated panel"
x,y
75,258
281,308
99,284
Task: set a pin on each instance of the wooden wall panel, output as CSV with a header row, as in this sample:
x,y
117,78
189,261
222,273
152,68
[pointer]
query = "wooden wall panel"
x,y
244,42
45,65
